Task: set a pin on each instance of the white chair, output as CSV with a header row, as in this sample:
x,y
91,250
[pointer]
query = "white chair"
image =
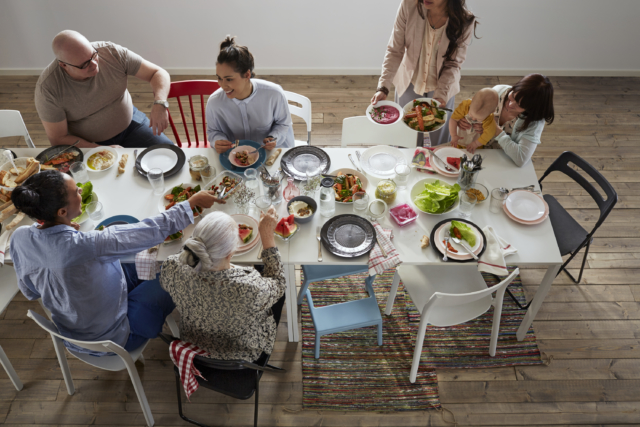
x,y
447,296
122,360
11,124
304,113
361,131
8,290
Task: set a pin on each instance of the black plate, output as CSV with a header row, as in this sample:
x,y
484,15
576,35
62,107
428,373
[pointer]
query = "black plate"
x,y
478,229
51,152
348,236
182,158
295,161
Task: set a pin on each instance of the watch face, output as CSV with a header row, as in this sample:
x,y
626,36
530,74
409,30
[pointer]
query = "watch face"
x,y
165,104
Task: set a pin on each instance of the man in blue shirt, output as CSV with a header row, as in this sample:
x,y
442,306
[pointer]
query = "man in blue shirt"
x,y
78,275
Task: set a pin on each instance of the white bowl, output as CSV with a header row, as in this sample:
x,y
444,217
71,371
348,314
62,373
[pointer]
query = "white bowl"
x,y
418,188
252,157
382,104
21,162
363,179
409,107
88,155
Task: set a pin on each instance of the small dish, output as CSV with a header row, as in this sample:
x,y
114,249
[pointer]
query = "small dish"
x,y
383,121
309,201
214,184
253,158
89,159
481,188
403,214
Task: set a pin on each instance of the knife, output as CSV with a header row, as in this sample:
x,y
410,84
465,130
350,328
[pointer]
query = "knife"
x,y
319,243
63,151
354,163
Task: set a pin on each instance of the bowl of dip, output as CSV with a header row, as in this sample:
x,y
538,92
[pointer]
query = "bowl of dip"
x,y
100,159
302,208
384,113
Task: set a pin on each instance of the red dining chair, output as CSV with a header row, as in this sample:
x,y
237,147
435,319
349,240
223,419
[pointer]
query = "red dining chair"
x,y
190,88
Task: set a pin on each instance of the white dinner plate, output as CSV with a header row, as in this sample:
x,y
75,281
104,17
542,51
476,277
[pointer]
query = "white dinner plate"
x,y
88,155
251,222
443,153
525,205
380,161
162,203
159,159
461,250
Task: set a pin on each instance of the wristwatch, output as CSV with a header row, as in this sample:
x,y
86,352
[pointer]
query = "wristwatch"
x,y
165,104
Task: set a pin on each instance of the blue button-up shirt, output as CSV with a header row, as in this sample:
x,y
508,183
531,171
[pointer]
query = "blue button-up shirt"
x,y
264,113
78,275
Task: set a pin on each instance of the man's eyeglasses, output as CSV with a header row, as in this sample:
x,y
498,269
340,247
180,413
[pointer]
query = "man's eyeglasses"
x,y
84,64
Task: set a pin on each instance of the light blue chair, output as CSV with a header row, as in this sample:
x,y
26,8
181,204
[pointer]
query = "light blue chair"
x,y
343,316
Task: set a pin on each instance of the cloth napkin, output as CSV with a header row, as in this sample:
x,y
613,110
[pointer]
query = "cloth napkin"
x,y
492,260
146,265
378,263
4,244
182,354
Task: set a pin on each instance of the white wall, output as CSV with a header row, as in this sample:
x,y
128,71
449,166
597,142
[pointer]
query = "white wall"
x,y
558,37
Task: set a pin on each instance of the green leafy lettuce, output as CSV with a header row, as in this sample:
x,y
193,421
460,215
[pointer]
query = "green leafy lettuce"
x,y
466,232
437,197
87,197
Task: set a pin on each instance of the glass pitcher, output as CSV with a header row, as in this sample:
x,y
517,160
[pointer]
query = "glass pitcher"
x,y
273,186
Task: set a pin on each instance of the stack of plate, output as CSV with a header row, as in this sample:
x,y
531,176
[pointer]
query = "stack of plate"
x,y
525,207
443,153
255,238
438,235
380,161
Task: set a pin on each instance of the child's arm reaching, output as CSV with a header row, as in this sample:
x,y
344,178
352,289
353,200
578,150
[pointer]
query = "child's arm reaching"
x,y
453,131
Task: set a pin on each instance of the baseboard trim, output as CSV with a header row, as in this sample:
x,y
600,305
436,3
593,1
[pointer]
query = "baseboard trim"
x,y
366,72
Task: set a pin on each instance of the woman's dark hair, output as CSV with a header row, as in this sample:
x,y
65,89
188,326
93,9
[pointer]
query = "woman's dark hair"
x,y
459,20
533,93
41,195
235,55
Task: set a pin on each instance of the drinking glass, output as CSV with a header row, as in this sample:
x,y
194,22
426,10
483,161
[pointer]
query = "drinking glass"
x,y
156,178
208,173
95,210
402,176
79,172
467,202
263,203
377,209
360,203
497,198
251,179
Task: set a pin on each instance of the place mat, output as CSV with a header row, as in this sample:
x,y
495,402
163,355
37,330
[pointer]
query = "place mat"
x,y
467,345
353,372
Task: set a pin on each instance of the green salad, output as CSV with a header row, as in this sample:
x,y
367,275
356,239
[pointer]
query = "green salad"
x,y
437,197
87,197
463,232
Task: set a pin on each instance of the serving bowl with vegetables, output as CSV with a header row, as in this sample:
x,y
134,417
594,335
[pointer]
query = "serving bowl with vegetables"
x,y
435,197
423,115
348,182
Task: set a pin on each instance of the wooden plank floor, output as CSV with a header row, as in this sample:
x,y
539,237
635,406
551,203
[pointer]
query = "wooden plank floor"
x,y
591,330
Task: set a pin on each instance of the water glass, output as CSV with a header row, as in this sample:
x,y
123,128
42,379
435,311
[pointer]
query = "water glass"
x,y
263,203
467,202
402,176
95,210
497,199
156,178
360,203
79,172
251,179
377,209
208,173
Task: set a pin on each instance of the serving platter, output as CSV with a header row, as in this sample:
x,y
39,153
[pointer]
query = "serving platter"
x,y
51,152
408,108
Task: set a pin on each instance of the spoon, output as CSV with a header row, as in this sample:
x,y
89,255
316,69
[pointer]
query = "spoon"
x,y
8,154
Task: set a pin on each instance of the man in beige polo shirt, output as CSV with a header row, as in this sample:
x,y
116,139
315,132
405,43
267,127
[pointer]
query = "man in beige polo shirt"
x,y
82,95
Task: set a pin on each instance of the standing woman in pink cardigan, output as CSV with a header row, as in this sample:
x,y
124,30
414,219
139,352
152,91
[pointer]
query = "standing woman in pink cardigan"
x,y
425,52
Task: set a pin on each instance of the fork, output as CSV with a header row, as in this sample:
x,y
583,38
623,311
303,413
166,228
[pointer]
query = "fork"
x,y
319,244
447,236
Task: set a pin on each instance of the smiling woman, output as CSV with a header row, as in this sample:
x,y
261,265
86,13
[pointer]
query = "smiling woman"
x,y
245,107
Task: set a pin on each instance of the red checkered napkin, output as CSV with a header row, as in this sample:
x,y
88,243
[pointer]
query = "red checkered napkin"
x,y
182,354
377,262
146,265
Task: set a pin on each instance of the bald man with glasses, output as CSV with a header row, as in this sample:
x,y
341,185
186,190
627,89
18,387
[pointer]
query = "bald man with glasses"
x,y
82,95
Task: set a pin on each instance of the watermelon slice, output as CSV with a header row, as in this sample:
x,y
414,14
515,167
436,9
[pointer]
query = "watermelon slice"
x,y
245,232
454,161
286,227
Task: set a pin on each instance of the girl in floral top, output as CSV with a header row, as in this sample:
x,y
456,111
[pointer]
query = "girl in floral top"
x,y
232,312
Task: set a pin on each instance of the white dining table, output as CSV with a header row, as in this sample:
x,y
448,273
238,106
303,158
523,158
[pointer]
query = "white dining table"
x,y
130,194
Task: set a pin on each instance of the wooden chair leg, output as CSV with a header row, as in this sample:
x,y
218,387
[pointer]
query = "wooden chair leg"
x,y
6,364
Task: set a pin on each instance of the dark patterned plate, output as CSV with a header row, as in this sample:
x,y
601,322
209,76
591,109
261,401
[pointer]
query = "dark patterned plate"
x,y
478,229
51,152
298,160
181,160
348,236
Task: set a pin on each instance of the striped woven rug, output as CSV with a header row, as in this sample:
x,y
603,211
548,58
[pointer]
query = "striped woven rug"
x,y
355,374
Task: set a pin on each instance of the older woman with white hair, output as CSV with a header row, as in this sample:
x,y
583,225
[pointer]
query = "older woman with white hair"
x,y
230,311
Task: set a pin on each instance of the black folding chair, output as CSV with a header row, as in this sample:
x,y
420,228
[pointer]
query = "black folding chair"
x,y
236,378
570,235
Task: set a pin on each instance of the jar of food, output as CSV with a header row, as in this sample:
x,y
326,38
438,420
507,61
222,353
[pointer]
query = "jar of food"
x,y
196,164
386,191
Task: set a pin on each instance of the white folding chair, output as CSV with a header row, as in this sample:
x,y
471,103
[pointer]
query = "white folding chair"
x,y
11,124
304,113
122,360
8,290
447,296
361,131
